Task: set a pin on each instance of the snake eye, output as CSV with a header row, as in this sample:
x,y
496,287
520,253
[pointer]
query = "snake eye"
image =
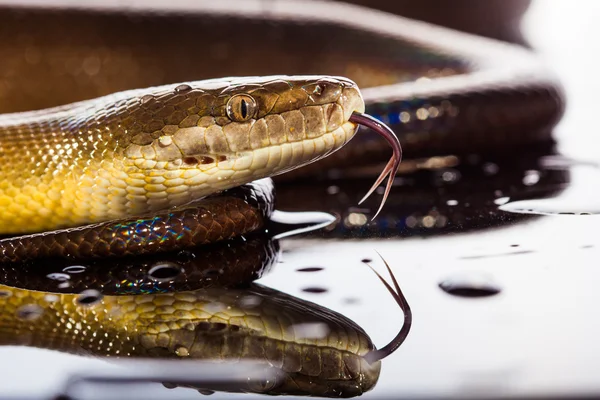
x,y
241,107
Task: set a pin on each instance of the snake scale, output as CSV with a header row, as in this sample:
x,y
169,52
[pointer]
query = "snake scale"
x,y
134,124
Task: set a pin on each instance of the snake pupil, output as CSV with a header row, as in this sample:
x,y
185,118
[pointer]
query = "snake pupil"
x,y
244,109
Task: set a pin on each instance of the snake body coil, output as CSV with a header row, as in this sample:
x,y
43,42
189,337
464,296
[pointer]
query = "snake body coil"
x,y
137,152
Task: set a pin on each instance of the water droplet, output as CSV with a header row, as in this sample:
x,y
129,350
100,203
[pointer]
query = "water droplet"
x,y
186,255
490,168
74,269
428,221
284,224
183,88
450,176
531,178
206,392
333,190
146,99
554,206
366,260
5,293
89,297
215,307
587,246
164,271
51,298
58,276
411,221
309,330
169,385
165,140
514,245
355,219
64,285
470,285
501,200
314,289
452,203
351,300
310,269
30,312
182,351
250,301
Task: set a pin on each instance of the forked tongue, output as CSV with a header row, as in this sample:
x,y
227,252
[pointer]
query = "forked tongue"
x,y
392,166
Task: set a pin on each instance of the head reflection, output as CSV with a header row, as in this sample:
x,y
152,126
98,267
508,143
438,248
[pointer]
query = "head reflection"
x,y
293,346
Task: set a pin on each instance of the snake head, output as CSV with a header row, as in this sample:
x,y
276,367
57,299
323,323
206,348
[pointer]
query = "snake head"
x,y
212,135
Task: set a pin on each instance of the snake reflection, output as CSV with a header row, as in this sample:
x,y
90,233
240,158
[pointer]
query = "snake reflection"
x,y
304,349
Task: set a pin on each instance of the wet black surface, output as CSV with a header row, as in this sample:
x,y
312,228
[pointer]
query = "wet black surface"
x,y
433,196
226,264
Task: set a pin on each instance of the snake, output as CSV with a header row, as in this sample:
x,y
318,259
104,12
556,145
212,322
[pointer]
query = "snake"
x,y
116,175
121,136
292,346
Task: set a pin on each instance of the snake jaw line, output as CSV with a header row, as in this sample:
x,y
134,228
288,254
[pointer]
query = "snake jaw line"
x,y
392,166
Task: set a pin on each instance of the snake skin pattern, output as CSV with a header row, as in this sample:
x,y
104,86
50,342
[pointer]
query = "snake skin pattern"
x,y
230,263
127,154
236,212
143,151
212,325
137,153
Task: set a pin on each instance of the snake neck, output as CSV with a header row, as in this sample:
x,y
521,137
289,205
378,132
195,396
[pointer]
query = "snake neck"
x,y
52,163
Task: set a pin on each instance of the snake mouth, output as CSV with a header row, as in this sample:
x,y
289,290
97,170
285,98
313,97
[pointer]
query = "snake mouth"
x,y
392,166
